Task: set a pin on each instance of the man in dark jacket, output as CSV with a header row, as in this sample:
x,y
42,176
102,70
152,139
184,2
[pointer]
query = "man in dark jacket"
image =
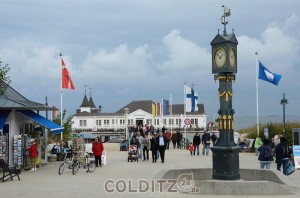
x,y
162,143
205,142
153,148
213,138
283,155
196,143
178,139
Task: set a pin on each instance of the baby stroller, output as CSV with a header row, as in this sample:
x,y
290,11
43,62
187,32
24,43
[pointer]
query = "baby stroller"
x,y
132,153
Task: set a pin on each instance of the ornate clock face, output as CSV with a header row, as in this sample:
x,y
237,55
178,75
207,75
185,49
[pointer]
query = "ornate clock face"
x,y
232,57
220,57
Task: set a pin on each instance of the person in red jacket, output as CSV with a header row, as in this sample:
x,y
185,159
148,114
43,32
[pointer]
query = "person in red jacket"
x,y
97,149
33,153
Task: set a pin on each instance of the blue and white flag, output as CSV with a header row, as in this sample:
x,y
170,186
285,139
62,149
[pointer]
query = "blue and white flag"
x,y
191,99
267,75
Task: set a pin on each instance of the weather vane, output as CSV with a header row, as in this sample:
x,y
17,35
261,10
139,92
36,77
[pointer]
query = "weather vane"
x,y
223,18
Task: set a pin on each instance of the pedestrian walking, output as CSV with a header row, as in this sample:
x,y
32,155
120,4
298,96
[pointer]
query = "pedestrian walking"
x,y
265,155
146,147
206,142
33,154
154,148
196,143
283,155
162,143
97,149
140,138
168,137
192,149
174,139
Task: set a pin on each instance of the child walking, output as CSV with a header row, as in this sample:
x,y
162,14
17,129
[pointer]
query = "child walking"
x,y
191,148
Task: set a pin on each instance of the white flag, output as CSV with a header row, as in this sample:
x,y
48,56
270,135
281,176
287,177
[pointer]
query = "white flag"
x,y
191,99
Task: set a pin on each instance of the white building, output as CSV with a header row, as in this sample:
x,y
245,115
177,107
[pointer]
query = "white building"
x,y
140,112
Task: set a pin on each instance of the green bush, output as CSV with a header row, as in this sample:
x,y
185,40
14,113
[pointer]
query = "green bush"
x,y
274,129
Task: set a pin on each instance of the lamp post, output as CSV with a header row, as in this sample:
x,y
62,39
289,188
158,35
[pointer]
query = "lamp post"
x,y
283,102
126,124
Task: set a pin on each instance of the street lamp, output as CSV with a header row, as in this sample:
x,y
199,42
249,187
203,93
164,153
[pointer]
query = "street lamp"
x,y
126,124
283,102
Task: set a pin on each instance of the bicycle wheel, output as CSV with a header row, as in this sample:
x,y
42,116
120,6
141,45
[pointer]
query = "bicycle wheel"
x,y
91,166
76,167
61,168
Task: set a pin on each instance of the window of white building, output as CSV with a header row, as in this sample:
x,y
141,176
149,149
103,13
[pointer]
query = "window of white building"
x,y
98,122
178,122
171,122
164,121
106,122
148,121
194,122
82,122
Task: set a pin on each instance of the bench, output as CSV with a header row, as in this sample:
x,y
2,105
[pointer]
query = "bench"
x,y
8,172
248,146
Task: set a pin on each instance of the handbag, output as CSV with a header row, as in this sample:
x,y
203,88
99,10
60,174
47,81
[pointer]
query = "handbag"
x,y
289,168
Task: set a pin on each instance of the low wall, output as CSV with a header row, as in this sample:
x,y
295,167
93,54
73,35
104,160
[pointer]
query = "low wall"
x,y
251,182
112,146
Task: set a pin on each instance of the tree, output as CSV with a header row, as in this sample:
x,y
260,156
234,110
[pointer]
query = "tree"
x,y
4,77
67,134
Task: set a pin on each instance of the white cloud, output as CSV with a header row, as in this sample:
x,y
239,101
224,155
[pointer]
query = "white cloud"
x,y
183,55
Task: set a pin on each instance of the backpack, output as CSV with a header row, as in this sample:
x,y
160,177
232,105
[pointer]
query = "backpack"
x,y
265,155
285,150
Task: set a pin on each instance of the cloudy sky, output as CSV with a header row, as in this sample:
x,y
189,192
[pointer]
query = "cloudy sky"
x,y
144,49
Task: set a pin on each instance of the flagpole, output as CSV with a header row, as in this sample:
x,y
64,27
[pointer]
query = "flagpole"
x,y
171,111
61,120
184,101
162,112
257,113
61,104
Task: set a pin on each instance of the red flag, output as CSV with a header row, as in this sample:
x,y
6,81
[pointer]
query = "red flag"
x,y
66,78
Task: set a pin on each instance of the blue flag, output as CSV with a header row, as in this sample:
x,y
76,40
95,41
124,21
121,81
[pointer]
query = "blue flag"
x,y
165,107
267,75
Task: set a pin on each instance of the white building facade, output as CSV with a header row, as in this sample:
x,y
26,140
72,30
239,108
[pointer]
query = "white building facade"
x,y
143,112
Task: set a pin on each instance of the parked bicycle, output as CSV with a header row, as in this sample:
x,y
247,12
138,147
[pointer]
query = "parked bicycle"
x,y
67,161
89,164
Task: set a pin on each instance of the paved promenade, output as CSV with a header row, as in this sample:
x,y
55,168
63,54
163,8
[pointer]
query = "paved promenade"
x,y
47,183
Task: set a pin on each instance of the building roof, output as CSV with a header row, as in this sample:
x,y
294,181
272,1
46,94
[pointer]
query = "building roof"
x,y
91,102
85,113
11,99
145,105
178,109
85,102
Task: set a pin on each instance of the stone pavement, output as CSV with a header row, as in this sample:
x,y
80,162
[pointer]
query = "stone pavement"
x,y
47,183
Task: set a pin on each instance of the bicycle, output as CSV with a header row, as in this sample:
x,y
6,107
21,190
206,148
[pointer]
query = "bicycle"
x,y
89,164
68,160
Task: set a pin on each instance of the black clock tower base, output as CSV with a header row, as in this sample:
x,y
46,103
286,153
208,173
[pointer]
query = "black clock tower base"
x,y
226,162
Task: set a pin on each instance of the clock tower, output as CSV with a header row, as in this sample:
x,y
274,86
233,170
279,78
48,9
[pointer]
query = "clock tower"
x,y
224,66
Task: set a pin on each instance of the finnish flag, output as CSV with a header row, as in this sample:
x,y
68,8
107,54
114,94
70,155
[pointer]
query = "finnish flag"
x,y
267,75
191,99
